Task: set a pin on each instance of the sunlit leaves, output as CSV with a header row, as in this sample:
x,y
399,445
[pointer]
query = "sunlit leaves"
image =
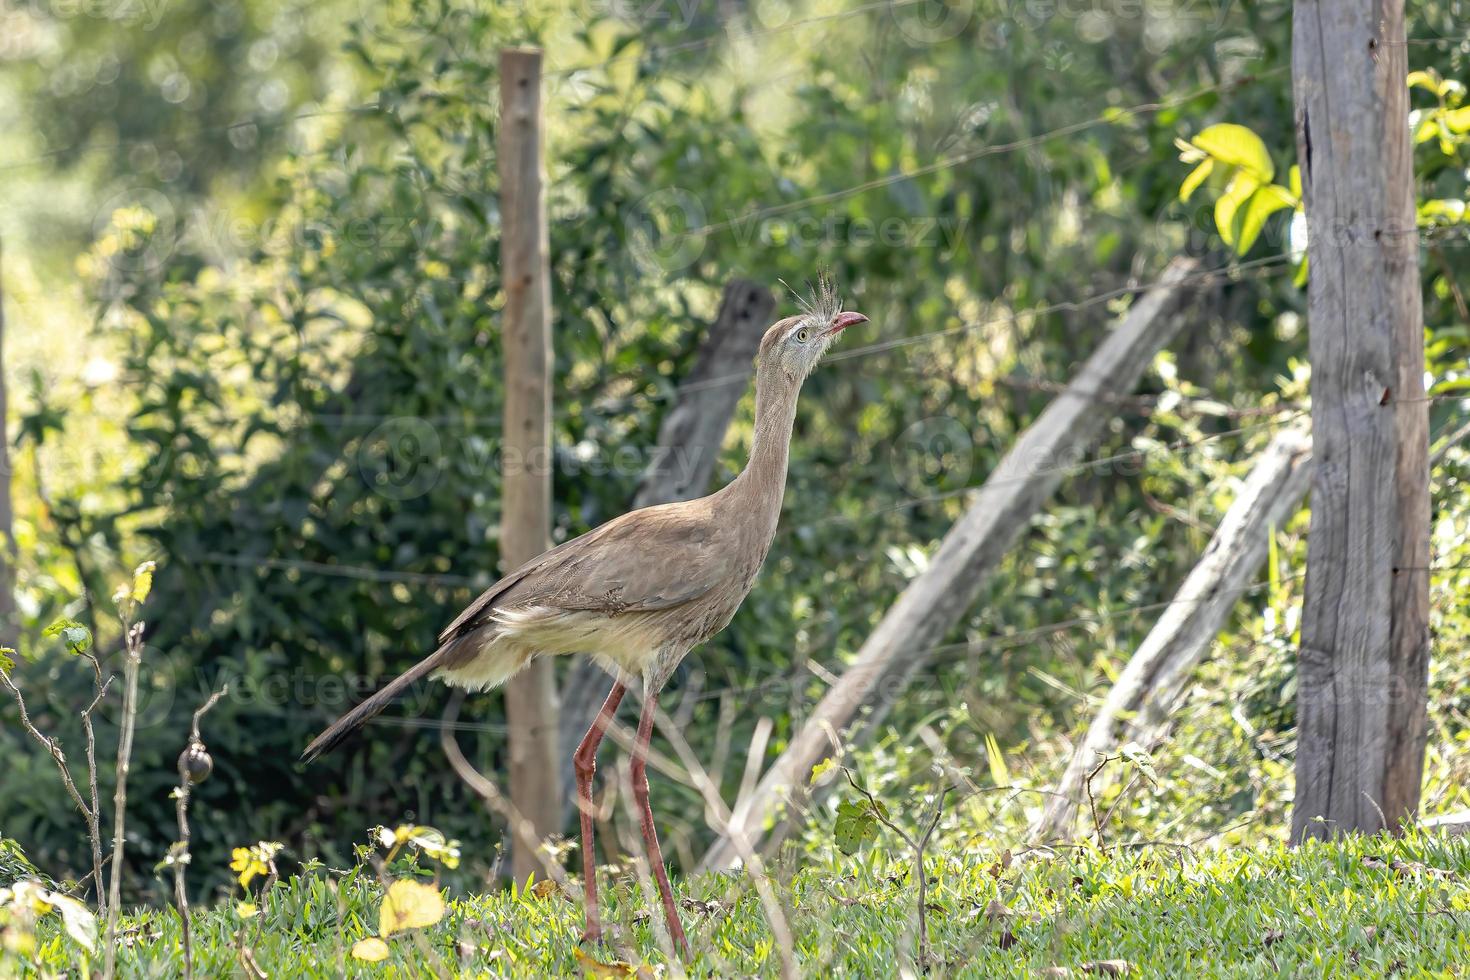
x,y
35,899
1241,164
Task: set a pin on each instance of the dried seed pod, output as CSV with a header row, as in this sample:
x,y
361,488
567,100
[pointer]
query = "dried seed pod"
x,y
195,763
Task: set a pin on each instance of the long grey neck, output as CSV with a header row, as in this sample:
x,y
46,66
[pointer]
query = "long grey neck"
x,y
760,486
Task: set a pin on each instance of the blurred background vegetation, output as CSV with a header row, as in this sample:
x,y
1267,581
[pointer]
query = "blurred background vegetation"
x,y
251,260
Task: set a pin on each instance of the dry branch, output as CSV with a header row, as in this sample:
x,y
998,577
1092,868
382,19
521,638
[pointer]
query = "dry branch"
x,y
1150,685
935,601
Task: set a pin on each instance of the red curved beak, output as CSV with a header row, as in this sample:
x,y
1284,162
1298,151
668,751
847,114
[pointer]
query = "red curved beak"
x,y
842,321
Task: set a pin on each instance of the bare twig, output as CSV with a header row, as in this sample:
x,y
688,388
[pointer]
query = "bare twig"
x,y
194,766
498,802
749,859
94,817
133,658
1091,800
89,813
917,845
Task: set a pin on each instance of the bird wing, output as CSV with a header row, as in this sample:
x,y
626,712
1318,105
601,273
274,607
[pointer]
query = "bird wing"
x,y
651,559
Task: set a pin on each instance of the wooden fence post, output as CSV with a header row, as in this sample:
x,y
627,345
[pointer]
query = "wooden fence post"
x,y
525,526
1363,666
933,603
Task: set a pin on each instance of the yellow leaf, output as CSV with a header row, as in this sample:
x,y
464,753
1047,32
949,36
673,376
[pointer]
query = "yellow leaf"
x,y
596,968
545,888
247,910
997,762
409,905
143,580
822,768
371,949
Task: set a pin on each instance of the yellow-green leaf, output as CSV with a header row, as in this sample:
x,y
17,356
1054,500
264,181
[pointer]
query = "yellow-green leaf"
x,y
247,910
1424,80
409,905
370,950
1237,146
997,761
1196,177
1265,202
1458,120
822,768
1294,183
1227,208
7,659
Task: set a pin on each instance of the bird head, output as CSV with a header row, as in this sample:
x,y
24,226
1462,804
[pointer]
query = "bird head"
x,y
793,346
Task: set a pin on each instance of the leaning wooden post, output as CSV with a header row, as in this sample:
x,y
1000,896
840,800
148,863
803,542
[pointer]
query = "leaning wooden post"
x,y
1151,684
525,524
1362,674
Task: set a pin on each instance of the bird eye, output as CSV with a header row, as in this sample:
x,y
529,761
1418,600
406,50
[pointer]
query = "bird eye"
x,y
803,335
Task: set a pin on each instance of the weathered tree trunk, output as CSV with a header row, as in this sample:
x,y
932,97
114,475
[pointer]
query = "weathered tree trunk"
x,y
1149,688
1363,667
525,529
934,602
689,440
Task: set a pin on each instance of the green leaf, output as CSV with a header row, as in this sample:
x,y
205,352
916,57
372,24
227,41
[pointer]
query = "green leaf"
x,y
1196,177
856,825
1237,146
1140,760
1300,279
1227,208
1265,202
78,638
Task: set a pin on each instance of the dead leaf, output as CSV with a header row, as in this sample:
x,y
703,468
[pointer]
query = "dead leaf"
x,y
544,889
1006,940
1272,936
1054,971
597,968
371,950
409,905
996,910
1109,968
1370,933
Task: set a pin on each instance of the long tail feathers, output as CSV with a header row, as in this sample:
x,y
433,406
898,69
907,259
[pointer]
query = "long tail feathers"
x,y
363,713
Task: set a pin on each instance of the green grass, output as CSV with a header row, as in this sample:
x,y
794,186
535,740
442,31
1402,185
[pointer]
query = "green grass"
x,y
1370,906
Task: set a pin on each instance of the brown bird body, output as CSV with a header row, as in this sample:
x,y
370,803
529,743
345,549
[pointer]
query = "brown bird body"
x,y
639,592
